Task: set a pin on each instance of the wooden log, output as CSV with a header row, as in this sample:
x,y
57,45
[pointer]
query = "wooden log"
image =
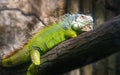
x,y
77,52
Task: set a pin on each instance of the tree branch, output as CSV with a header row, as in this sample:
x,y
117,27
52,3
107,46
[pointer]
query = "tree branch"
x,y
84,49
77,52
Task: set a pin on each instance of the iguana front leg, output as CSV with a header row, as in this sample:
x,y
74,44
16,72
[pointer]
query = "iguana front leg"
x,y
32,70
70,34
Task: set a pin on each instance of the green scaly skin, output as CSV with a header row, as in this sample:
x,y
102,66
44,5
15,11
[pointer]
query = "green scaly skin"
x,y
45,40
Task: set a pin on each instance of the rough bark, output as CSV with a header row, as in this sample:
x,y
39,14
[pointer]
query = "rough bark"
x,y
77,52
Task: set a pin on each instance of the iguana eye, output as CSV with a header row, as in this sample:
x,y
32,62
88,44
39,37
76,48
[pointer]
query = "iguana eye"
x,y
83,17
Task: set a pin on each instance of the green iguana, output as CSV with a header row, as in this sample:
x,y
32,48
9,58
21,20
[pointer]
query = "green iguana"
x,y
71,26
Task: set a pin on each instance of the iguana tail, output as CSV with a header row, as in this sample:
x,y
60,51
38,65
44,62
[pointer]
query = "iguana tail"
x,y
19,57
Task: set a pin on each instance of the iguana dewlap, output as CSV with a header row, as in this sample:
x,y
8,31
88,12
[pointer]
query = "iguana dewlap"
x,y
71,26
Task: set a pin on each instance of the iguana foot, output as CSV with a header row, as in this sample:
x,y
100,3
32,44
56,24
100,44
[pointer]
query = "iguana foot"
x,y
32,70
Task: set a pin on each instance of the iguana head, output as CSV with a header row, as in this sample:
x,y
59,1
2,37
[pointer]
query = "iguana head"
x,y
82,22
